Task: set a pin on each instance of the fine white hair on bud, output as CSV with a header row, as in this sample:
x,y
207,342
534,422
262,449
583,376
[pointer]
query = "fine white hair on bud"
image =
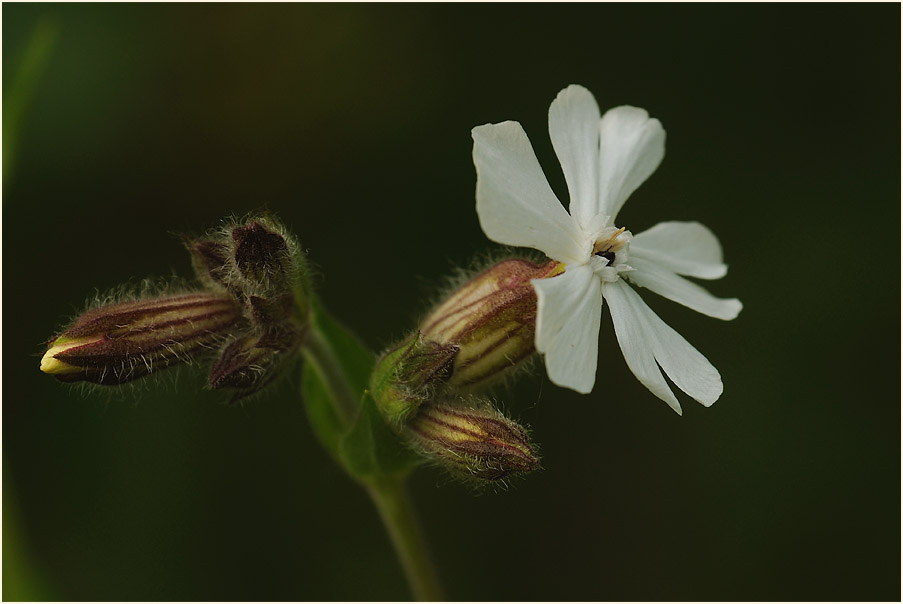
x,y
491,319
117,343
471,439
252,306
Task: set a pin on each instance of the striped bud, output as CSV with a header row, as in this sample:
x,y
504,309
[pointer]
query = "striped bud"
x,y
491,319
478,442
118,343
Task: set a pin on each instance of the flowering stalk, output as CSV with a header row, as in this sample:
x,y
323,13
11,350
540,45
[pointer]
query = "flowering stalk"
x,y
118,343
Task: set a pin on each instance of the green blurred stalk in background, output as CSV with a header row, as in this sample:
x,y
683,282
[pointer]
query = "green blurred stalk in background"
x,y
17,99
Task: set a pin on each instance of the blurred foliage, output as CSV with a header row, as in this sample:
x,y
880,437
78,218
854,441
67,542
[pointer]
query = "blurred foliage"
x,y
352,122
18,95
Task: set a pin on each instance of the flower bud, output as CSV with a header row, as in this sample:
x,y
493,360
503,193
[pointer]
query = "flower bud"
x,y
478,442
210,260
262,257
118,343
491,319
260,265
406,376
251,362
266,312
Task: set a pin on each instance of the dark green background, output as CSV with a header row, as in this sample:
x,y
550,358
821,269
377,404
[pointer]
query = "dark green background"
x,y
353,124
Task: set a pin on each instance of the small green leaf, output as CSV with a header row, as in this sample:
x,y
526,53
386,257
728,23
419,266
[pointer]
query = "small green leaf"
x,y
371,448
354,362
357,361
358,438
323,418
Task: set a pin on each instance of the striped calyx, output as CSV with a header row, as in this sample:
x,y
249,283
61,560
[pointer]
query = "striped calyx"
x,y
472,441
491,319
118,343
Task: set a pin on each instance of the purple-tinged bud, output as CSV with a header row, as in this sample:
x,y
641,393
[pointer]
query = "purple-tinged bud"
x,y
251,362
492,321
260,265
262,256
118,343
271,311
408,374
210,261
478,442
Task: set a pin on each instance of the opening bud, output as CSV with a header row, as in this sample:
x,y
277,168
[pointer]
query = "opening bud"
x,y
118,343
491,320
474,442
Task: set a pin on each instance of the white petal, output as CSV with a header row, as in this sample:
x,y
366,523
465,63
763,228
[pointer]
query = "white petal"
x,y
665,283
636,343
687,248
631,147
574,129
645,339
515,204
568,314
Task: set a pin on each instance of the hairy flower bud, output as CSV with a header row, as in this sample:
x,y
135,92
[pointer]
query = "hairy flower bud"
x,y
262,256
251,362
491,319
406,376
260,265
210,260
118,343
478,442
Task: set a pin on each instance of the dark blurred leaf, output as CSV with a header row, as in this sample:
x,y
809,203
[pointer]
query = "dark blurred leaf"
x,y
18,97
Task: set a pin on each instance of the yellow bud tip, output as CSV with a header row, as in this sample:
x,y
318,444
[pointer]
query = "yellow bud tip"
x,y
50,364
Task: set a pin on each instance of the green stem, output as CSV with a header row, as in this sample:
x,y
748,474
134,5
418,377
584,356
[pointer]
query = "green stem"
x,y
388,493
397,512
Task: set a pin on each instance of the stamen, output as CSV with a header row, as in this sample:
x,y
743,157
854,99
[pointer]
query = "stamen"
x,y
609,244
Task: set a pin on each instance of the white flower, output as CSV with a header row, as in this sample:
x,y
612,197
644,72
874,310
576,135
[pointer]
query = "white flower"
x,y
604,160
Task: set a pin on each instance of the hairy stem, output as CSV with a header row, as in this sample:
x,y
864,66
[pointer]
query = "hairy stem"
x,y
397,512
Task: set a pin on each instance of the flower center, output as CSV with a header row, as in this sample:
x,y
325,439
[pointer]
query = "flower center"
x,y
610,253
611,241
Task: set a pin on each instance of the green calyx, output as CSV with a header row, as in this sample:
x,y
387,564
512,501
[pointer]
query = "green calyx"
x,y
408,374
